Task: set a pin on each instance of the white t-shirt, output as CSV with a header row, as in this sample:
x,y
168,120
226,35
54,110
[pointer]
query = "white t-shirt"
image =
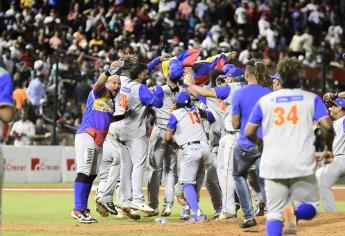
x,y
25,128
241,16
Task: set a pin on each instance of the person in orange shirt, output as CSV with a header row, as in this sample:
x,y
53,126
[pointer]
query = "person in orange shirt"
x,y
20,96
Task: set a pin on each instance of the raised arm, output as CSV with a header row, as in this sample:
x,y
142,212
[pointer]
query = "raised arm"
x,y
102,79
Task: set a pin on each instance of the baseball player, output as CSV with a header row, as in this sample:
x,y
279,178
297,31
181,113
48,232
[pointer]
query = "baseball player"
x,y
109,173
110,164
159,151
90,137
135,97
288,157
218,101
7,112
184,125
329,174
246,153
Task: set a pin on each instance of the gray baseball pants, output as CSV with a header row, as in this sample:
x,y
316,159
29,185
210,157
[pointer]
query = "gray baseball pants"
x,y
280,191
327,176
133,160
162,159
109,170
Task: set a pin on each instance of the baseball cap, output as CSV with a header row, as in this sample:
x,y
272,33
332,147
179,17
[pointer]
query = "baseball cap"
x,y
182,98
233,72
340,102
227,67
276,76
175,70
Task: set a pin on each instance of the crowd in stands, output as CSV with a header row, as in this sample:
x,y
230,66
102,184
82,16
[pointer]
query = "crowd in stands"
x,y
83,35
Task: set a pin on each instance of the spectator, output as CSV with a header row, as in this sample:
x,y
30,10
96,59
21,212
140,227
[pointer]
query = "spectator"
x,y
22,130
36,89
42,133
296,45
19,95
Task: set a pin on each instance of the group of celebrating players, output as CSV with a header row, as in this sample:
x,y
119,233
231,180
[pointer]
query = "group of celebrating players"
x,y
243,128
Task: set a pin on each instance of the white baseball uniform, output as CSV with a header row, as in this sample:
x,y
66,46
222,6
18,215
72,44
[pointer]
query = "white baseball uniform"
x,y
160,153
190,136
288,158
134,99
329,174
109,170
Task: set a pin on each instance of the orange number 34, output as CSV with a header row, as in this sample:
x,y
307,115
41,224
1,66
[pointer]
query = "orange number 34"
x,y
282,117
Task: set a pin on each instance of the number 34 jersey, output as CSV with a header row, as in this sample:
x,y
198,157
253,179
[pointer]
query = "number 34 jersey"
x,y
187,126
287,117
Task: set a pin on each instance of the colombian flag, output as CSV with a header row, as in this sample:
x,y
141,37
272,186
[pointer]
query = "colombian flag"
x,y
187,58
203,67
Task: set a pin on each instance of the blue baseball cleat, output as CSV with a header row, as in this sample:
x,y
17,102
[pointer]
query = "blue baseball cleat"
x,y
195,218
185,214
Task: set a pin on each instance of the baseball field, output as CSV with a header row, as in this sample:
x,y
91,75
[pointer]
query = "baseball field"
x,y
43,209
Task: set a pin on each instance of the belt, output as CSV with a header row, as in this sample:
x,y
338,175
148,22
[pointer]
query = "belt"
x,y
190,143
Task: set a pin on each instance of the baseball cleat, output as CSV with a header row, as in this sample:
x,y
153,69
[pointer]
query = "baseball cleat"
x,y
197,218
185,214
217,214
260,210
130,212
150,214
141,207
86,212
102,211
166,211
109,206
226,215
120,214
80,216
248,223
290,221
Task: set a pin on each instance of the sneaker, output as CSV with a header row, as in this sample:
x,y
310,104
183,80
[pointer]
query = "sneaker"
x,y
109,206
260,210
120,214
78,215
185,214
195,218
226,215
290,220
150,214
141,207
166,211
86,212
216,215
248,223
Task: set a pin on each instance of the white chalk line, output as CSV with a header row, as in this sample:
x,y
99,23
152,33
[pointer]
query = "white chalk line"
x,y
93,189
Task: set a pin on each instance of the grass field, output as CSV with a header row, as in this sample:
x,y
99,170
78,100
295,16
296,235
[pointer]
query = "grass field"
x,y
47,213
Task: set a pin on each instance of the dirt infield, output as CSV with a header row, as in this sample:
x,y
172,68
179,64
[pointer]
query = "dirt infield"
x,y
324,224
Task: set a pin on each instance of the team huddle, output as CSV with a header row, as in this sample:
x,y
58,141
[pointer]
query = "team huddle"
x,y
244,129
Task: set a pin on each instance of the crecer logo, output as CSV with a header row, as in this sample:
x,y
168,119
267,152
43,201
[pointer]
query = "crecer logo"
x,y
38,165
9,166
70,164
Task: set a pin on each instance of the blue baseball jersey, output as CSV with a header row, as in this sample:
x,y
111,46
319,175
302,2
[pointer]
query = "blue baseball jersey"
x,y
287,117
98,115
243,101
6,88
